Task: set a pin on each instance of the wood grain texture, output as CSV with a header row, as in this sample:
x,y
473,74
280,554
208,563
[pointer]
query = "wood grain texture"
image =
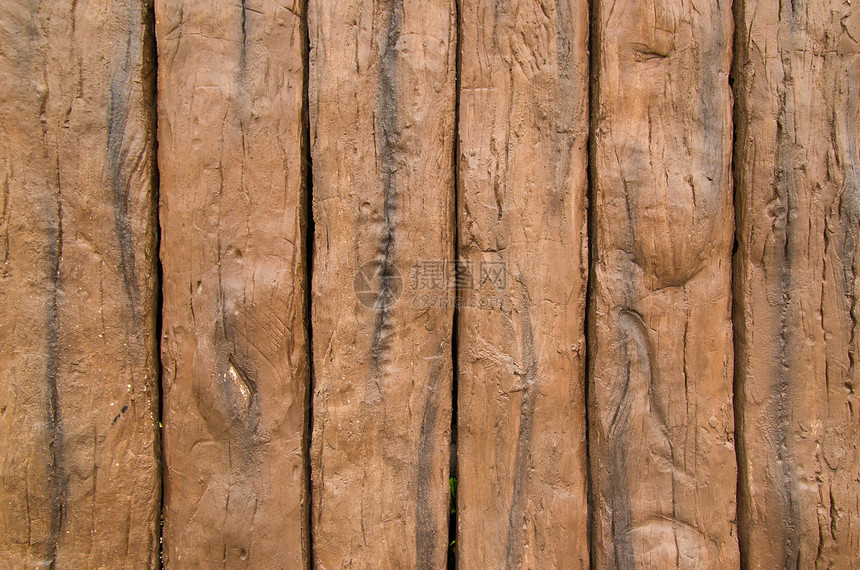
x,y
79,465
521,438
382,93
235,348
798,207
660,339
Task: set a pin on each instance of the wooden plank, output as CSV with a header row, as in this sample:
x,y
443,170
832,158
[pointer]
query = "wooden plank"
x,y
235,347
798,176
382,93
660,338
522,469
79,474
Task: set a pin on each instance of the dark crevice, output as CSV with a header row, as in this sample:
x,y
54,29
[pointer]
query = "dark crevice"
x,y
55,433
528,376
455,324
57,480
243,34
118,157
784,233
307,204
737,84
591,221
150,83
387,110
427,535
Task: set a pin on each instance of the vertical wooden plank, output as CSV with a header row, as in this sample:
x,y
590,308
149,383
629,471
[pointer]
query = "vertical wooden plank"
x,y
235,348
79,477
382,92
522,470
660,336
798,207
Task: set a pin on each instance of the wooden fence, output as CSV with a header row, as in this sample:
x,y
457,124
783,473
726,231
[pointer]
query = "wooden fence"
x,y
402,283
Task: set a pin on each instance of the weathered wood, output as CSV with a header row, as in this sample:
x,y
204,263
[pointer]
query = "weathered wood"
x,y
798,206
382,92
235,348
660,338
522,469
79,476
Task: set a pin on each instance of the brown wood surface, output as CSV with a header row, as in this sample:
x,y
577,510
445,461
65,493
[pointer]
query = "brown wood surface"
x,y
235,348
660,338
79,477
521,439
798,203
382,93
573,162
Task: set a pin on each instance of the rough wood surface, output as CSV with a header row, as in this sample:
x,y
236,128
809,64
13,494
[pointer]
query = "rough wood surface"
x,y
382,92
235,352
660,338
521,439
798,205
79,479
